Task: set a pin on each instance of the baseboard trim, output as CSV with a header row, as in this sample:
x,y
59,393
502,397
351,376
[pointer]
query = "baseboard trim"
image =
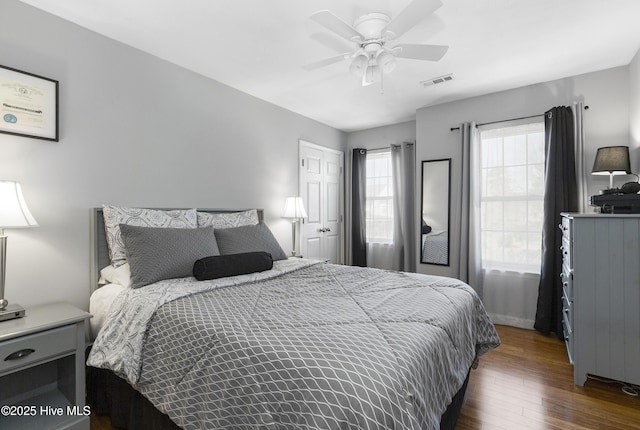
x,y
512,321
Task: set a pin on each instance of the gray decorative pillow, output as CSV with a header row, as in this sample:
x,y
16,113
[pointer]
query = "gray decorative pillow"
x,y
155,254
114,216
250,238
228,220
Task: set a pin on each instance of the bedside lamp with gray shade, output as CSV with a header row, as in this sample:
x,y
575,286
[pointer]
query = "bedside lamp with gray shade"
x,y
14,213
294,210
612,160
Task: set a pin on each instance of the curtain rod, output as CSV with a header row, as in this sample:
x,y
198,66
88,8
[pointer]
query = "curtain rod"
x,y
386,148
504,120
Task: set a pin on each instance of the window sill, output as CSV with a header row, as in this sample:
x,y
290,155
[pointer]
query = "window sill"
x,y
519,271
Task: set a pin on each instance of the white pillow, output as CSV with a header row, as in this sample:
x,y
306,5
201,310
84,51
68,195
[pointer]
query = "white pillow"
x,y
228,220
120,275
114,216
99,305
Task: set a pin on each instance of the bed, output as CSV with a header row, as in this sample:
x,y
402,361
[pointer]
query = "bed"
x,y
303,345
435,247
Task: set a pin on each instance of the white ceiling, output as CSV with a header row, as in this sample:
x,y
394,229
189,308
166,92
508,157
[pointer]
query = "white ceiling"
x,y
260,46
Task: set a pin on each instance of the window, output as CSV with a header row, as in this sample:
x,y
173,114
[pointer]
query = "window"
x,y
379,209
511,197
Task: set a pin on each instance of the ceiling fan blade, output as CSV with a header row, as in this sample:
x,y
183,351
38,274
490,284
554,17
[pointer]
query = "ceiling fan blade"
x,y
335,24
331,42
415,12
326,62
420,52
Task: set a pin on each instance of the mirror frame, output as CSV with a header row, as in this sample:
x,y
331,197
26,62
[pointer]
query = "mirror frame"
x,y
425,164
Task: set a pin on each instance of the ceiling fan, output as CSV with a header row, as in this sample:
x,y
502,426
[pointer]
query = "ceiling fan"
x,y
371,34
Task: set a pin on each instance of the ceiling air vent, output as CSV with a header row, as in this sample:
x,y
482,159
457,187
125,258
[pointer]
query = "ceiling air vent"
x,y
437,80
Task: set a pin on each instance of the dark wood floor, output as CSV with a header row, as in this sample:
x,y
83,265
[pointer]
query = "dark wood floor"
x,y
527,383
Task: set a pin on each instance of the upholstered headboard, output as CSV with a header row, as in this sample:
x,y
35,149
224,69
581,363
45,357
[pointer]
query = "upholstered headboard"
x,y
100,249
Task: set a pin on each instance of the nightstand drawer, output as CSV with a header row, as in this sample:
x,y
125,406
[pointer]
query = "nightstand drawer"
x,y
37,347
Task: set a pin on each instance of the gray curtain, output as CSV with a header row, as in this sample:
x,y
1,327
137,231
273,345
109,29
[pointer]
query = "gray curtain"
x,y
470,270
358,207
560,195
403,161
581,166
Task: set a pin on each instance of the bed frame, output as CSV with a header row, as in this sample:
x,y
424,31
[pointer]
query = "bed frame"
x,y
108,394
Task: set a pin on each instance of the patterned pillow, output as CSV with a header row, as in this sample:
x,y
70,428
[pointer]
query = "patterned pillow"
x,y
114,216
228,220
155,254
249,238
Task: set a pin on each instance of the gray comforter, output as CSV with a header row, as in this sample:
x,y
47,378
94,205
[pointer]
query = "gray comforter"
x,y
304,346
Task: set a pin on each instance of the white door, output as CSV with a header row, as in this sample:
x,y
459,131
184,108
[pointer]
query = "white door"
x,y
321,185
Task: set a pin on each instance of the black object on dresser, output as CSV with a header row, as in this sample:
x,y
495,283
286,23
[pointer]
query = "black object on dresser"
x,y
617,203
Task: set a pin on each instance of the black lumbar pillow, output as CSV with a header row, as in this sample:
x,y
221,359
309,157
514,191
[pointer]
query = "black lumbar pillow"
x,y
221,266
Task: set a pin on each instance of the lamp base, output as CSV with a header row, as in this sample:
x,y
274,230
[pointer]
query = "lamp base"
x,y
11,312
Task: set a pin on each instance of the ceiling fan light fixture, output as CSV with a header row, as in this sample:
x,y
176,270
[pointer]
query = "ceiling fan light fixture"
x,y
386,61
373,58
359,65
371,75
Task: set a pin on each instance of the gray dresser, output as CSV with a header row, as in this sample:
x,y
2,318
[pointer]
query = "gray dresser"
x,y
601,295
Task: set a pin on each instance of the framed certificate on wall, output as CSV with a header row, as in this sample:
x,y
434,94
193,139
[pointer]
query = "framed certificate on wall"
x,y
28,104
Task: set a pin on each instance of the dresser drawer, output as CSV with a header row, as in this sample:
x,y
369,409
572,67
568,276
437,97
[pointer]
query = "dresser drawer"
x,y
567,284
567,245
568,338
567,254
23,351
567,311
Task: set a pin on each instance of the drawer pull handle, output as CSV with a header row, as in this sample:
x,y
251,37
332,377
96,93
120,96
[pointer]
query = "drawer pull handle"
x,y
19,354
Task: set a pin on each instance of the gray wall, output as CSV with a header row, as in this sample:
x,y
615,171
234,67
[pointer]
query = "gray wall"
x,y
382,137
373,138
634,109
606,122
134,130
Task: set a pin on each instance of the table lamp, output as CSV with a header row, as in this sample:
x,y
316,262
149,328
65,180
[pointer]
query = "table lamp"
x,y
14,213
294,210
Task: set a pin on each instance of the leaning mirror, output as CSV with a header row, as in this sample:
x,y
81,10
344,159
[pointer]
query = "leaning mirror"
x,y
436,183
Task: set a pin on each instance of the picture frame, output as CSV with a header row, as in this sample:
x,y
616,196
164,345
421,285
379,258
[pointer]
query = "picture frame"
x,y
28,104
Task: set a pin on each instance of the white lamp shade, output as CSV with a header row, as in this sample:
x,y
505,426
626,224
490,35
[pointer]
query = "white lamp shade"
x,y
386,61
14,212
294,208
359,65
371,75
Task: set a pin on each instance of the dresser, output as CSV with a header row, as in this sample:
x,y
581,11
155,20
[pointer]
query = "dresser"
x,y
601,295
42,378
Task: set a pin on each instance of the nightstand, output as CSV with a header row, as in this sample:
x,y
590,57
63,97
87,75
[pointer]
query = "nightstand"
x,y
42,366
